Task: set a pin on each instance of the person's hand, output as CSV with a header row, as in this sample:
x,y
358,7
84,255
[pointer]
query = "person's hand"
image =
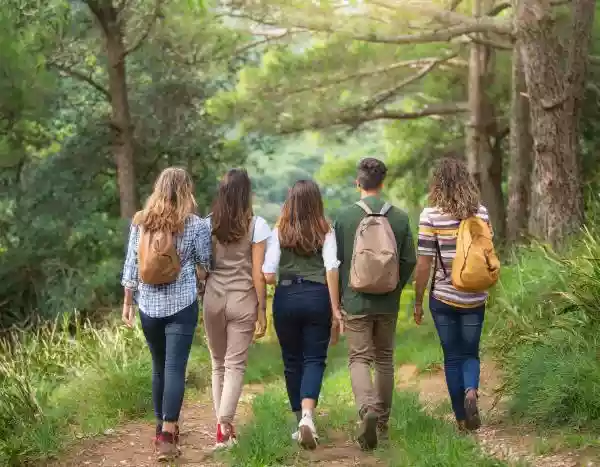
x,y
418,313
261,324
128,315
337,325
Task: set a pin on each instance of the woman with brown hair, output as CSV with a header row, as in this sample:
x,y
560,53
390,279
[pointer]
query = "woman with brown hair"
x,y
166,296
458,315
303,248
235,298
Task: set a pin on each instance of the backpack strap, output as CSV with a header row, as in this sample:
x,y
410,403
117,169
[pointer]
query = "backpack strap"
x,y
385,209
440,260
361,204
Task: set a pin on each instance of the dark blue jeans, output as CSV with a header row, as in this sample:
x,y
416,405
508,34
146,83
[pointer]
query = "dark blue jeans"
x,y
170,340
459,330
302,318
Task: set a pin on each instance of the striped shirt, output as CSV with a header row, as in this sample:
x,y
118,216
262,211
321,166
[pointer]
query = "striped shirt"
x,y
436,226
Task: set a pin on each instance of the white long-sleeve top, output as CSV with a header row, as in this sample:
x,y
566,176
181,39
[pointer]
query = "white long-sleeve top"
x,y
273,255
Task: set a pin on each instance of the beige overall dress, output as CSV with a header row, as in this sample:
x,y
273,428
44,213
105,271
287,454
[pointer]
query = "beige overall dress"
x,y
230,312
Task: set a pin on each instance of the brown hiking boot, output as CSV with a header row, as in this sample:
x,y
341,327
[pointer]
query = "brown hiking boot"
x,y
473,421
367,434
166,448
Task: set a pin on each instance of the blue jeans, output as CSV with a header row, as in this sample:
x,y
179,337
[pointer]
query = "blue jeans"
x,y
459,330
170,340
302,318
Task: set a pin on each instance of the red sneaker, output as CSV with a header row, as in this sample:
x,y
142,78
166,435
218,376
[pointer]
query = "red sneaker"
x,y
159,431
225,440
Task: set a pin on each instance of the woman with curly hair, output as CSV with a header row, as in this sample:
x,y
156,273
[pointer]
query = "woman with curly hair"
x,y
235,298
168,307
458,315
303,249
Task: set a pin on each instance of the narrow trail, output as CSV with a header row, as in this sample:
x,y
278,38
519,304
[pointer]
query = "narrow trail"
x,y
131,444
497,437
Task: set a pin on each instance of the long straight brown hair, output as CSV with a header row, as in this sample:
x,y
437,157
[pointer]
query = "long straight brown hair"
x,y
232,208
302,224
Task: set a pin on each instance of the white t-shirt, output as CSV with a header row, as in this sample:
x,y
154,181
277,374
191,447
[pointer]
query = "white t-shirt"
x,y
262,231
273,255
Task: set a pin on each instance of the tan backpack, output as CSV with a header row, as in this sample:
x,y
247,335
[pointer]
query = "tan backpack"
x,y
476,267
158,260
375,267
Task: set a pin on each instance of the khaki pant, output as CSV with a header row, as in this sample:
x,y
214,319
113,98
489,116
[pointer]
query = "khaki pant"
x,y
371,343
229,320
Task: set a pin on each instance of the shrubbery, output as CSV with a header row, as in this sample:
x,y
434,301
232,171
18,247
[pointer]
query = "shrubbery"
x,y
545,331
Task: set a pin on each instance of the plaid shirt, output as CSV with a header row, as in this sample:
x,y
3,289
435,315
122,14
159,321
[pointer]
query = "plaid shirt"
x,y
159,301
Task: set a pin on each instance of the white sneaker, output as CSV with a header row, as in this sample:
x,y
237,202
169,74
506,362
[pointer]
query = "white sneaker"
x,y
307,433
295,435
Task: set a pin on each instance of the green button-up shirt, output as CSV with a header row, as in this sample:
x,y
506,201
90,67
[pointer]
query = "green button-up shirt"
x,y
346,223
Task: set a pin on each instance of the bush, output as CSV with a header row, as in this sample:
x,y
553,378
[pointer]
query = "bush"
x,y
544,323
69,380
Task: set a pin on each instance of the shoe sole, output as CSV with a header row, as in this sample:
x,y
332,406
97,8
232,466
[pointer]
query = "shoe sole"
x,y
473,421
168,457
307,439
367,439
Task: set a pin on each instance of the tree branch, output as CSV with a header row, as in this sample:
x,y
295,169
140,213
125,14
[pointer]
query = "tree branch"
x,y
357,119
150,23
81,76
473,25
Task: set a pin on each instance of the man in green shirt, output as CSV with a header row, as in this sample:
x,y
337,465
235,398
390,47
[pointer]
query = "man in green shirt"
x,y
370,320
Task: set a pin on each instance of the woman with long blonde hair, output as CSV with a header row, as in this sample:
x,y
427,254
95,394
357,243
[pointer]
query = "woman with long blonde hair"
x,y
303,249
163,283
458,315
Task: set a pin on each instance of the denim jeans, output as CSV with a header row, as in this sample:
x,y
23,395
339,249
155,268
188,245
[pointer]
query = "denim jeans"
x,y
459,330
170,340
302,318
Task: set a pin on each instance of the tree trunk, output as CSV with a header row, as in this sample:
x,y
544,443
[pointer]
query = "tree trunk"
x,y
521,147
123,145
555,91
484,164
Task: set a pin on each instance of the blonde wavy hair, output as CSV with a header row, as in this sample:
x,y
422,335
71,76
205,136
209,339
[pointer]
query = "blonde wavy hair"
x,y
453,190
170,204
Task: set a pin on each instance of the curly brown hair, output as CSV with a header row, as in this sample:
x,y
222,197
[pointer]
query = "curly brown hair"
x,y
170,203
302,224
232,208
453,190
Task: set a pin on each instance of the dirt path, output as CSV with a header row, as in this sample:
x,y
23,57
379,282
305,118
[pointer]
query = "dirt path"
x,y
131,444
497,436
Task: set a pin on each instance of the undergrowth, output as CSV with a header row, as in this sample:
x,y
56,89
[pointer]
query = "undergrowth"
x,y
63,382
545,328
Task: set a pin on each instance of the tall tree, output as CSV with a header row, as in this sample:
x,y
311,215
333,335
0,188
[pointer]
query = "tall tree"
x,y
555,76
519,172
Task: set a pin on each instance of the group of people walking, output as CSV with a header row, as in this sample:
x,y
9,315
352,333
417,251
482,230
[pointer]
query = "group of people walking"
x,y
331,278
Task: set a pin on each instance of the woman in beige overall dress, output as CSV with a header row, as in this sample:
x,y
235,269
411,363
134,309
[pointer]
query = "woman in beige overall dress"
x,y
235,297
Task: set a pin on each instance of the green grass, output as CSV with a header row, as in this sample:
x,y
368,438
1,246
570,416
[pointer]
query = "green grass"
x,y
57,386
544,328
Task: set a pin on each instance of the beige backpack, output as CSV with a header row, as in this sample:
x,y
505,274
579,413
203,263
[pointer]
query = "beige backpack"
x,y
158,260
375,267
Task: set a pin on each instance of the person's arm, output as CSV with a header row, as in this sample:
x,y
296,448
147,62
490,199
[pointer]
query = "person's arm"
x,y
406,255
339,241
203,252
258,259
130,279
332,264
426,250
272,258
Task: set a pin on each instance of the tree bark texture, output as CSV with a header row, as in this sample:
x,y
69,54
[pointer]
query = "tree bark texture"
x,y
484,164
123,145
555,77
521,157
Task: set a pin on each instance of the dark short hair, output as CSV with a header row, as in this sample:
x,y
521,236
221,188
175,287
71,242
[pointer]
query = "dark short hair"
x,y
371,173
